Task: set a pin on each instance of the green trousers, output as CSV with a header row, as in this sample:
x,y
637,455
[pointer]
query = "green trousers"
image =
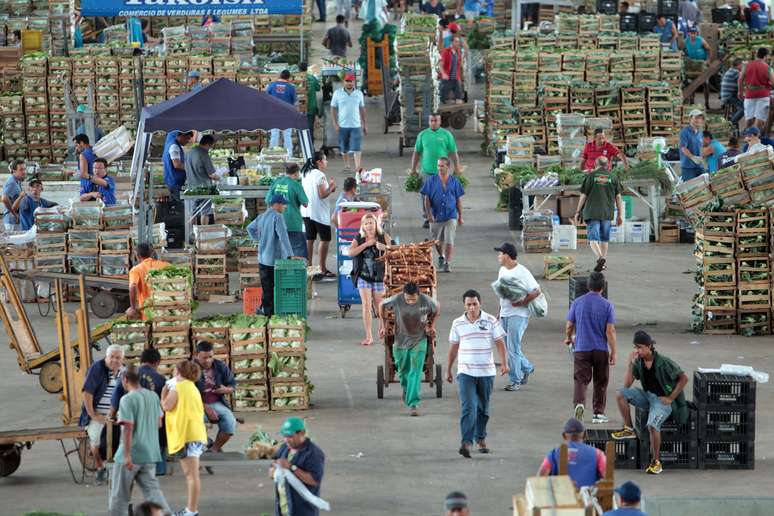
x,y
410,364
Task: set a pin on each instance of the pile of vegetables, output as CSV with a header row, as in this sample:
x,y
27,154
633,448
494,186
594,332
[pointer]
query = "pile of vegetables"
x,y
758,324
82,264
277,390
290,333
281,366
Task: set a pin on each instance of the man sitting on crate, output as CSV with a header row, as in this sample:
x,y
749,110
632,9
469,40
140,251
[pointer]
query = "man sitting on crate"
x,y
661,394
415,316
215,382
585,464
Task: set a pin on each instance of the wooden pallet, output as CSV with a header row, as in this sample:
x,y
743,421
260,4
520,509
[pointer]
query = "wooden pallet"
x,y
565,264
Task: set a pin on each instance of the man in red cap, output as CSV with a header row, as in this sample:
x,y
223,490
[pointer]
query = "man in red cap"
x,y
348,113
451,70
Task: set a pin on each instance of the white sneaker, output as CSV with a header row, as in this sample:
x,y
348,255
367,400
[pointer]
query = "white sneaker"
x,y
599,418
579,409
511,387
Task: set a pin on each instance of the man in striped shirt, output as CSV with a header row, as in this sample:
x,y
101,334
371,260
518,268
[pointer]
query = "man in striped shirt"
x,y
729,92
471,339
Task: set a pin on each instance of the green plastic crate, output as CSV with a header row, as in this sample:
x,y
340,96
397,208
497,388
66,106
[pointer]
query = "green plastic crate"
x,y
290,287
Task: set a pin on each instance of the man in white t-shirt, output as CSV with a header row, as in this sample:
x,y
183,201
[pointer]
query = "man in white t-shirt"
x,y
471,342
317,214
515,315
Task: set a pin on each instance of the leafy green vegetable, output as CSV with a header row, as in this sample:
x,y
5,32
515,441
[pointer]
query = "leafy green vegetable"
x,y
413,183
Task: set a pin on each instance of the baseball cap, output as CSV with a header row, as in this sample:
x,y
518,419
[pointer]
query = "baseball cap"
x,y
573,426
696,112
193,74
693,29
349,77
455,500
642,338
454,27
278,199
292,425
629,492
752,131
507,248
33,181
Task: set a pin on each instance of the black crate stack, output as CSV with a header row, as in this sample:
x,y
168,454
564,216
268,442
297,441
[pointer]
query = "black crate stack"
x,y
726,420
678,440
627,451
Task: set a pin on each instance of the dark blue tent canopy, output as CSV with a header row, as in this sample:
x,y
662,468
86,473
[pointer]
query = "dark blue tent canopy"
x,y
222,106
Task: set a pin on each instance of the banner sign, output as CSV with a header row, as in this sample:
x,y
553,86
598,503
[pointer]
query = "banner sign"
x,y
188,7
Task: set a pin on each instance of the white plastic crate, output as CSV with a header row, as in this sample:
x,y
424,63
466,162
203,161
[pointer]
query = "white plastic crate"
x,y
617,233
564,236
637,232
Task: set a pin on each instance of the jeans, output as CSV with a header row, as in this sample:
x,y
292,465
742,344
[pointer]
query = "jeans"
x,y
350,140
450,86
738,107
689,173
515,326
121,481
287,138
658,413
410,364
267,283
474,406
321,8
226,420
598,230
298,243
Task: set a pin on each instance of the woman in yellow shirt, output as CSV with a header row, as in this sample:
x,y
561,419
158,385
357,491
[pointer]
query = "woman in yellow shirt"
x,y
186,433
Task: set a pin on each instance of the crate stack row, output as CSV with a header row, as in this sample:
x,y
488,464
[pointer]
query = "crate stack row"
x,y
214,330
247,337
408,263
34,86
169,305
211,243
60,74
538,228
287,363
12,126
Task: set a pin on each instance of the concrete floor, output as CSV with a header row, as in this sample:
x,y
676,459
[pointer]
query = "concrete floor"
x,y
379,460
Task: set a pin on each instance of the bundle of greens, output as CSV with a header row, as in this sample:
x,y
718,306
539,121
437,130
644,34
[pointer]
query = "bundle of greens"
x,y
413,183
202,190
170,272
514,290
286,366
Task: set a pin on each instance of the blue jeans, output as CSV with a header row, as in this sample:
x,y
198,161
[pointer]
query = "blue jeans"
x,y
689,173
474,406
298,243
658,413
515,326
287,137
226,420
598,230
350,139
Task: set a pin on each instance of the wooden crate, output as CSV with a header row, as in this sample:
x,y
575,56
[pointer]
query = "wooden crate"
x,y
752,246
720,224
172,340
122,335
83,241
286,372
721,245
252,402
179,290
217,336
752,222
754,295
50,263
761,325
206,289
283,392
211,239
117,217
669,233
753,269
723,298
114,265
284,337
114,242
558,267
241,338
720,322
210,266
718,272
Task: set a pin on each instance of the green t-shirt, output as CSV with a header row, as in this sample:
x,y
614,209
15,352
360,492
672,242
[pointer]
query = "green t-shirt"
x,y
601,188
142,408
294,193
312,87
433,145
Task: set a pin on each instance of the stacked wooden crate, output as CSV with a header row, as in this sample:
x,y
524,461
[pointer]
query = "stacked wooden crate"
x,y
154,80
170,309
753,268
633,115
127,72
287,363
211,243
536,235
247,337
50,251
114,253
83,238
661,115
34,87
12,126
716,273
248,268
177,75
84,74
59,75
672,67
133,337
758,176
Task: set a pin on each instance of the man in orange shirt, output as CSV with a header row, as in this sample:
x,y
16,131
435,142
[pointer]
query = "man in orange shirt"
x,y
138,289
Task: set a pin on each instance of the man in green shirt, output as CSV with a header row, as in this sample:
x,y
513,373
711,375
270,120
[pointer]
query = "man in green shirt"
x,y
291,189
432,144
600,194
139,414
312,87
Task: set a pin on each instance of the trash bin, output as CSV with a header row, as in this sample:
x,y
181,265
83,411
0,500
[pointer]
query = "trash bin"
x,y
515,207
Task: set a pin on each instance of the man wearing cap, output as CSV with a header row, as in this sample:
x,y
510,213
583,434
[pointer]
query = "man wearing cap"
x,y
194,80
303,459
456,504
695,47
349,120
291,189
628,496
585,464
283,90
30,201
472,338
755,84
12,190
173,158
271,233
514,316
601,146
661,394
754,143
690,146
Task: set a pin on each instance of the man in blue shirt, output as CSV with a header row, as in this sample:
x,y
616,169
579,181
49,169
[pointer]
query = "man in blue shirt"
x,y
30,201
585,464
628,496
283,90
12,190
443,204
592,321
173,158
690,147
711,150
271,233
216,382
349,120
99,185
667,31
86,159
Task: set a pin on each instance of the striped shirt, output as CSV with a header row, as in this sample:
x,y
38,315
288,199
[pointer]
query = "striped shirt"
x,y
476,340
729,86
104,405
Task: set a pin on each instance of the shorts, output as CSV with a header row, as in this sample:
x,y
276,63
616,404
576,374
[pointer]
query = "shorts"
x,y
376,286
444,231
94,431
598,230
350,139
757,108
314,228
658,413
297,243
190,450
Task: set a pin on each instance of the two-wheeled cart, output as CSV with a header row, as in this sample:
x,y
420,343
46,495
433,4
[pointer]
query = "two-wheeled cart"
x,y
386,374
13,442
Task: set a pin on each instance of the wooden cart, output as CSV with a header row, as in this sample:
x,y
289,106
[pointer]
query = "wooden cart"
x,y
13,442
386,374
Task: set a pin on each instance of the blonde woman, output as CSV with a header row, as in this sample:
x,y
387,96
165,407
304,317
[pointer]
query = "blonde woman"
x,y
186,433
367,270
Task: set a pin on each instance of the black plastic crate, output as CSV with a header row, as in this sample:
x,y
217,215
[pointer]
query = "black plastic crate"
x,y
674,454
579,286
723,390
607,6
628,22
727,455
668,7
671,429
723,424
627,453
723,15
646,22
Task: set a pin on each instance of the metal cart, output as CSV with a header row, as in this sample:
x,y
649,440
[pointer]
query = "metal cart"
x,y
13,442
348,295
385,374
381,194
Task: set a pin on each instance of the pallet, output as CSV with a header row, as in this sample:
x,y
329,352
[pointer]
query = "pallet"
x,y
565,264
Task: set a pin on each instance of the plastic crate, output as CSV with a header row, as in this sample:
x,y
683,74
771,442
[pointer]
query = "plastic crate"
x,y
627,453
290,287
252,298
727,455
723,424
722,390
579,286
674,454
671,429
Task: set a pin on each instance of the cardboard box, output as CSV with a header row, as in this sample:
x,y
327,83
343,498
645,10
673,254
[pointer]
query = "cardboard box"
x,y
568,204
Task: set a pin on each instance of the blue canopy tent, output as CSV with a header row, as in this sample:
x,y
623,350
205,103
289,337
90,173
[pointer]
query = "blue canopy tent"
x,y
220,106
